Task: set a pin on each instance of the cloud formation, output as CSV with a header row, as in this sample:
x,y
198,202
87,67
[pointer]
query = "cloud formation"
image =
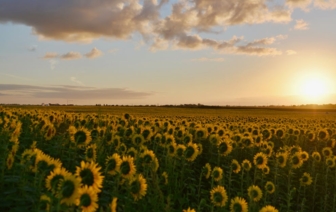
x,y
74,79
206,59
94,53
32,48
50,55
71,56
301,25
291,52
70,92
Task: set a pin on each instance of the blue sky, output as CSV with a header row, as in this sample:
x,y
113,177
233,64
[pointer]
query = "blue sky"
x,y
252,52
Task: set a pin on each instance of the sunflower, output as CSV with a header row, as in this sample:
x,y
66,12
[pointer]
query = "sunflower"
x,y
68,189
316,156
268,208
296,160
189,210
201,133
217,173
91,153
306,179
258,140
260,160
330,162
138,187
246,164
138,139
113,164
122,149
127,167
282,158
88,173
82,137
54,178
270,187
254,192
218,196
150,160
191,151
44,204
113,204
50,132
235,166
87,199
164,177
322,135
10,161
268,151
238,204
266,170
214,139
207,170
171,148
224,147
132,152
304,156
327,152
180,148
248,142
280,133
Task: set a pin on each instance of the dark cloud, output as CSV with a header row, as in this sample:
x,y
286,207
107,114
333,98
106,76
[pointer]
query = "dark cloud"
x,y
71,92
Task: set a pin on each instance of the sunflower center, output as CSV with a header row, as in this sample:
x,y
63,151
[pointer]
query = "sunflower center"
x,y
304,179
87,177
147,158
189,152
237,207
145,133
179,152
281,159
223,147
42,165
89,153
254,193
216,174
218,197
125,168
55,180
135,187
68,188
112,164
80,137
85,200
269,187
137,140
260,160
295,160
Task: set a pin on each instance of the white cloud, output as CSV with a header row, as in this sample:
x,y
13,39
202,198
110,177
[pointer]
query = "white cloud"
x,y
301,25
74,79
71,56
94,53
291,52
206,59
50,55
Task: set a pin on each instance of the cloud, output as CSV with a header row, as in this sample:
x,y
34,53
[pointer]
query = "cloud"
x,y
303,4
291,52
50,55
205,59
53,64
94,53
71,56
301,25
70,92
74,79
113,50
177,27
325,4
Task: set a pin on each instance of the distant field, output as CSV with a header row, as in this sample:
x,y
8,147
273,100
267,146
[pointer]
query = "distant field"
x,y
180,111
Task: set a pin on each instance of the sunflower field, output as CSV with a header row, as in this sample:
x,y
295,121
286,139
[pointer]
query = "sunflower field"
x,y
66,161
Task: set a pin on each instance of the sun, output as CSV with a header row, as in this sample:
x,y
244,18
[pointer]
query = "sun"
x,y
313,87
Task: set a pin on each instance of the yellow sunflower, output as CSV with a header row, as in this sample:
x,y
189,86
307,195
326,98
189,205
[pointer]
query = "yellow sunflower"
x,y
127,167
132,152
165,178
189,210
207,170
246,164
68,189
235,166
238,204
113,204
180,150
327,152
254,192
82,137
87,199
171,148
224,147
266,170
270,187
138,139
138,187
149,159
44,204
316,156
191,151
54,178
296,160
88,173
304,156
282,159
113,164
91,153
268,208
330,162
306,179
218,196
217,173
260,160
10,161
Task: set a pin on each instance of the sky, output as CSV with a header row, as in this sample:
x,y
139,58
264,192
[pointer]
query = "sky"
x,y
156,52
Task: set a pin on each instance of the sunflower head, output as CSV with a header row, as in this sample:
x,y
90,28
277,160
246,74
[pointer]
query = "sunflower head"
x,y
138,187
246,164
330,162
260,160
113,164
89,175
127,167
270,187
189,210
224,147
217,173
268,208
68,189
235,166
218,196
296,160
44,203
316,156
87,199
191,151
238,204
254,193
306,179
282,159
207,170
